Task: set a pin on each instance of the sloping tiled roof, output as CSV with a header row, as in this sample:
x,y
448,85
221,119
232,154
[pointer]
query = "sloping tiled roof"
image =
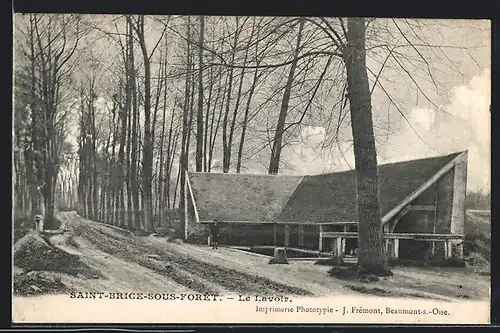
x,y
240,197
319,198
332,197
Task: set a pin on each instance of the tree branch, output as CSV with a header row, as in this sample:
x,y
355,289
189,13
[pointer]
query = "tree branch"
x,y
305,55
401,112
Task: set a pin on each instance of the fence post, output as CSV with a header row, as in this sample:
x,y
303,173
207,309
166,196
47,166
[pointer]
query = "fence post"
x,y
39,223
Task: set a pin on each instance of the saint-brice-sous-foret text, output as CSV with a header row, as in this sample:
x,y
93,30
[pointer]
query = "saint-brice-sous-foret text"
x,y
266,304
177,297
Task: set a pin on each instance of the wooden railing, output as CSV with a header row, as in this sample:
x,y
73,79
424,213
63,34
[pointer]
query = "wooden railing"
x,y
391,241
414,236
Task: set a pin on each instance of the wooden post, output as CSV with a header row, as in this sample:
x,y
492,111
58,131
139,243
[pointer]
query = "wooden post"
x,y
386,246
343,245
186,217
301,235
434,225
39,223
460,250
193,201
395,253
448,249
275,227
459,196
320,245
338,247
287,235
446,254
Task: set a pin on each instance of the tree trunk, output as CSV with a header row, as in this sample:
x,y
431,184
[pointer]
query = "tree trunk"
x,y
130,219
126,115
170,158
29,156
93,147
171,168
177,179
237,105
134,136
371,256
226,144
207,118
161,168
199,115
278,134
245,123
183,165
147,158
247,108
48,197
214,127
112,180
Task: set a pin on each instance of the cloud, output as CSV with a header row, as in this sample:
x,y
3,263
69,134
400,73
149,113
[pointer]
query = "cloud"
x,y
307,156
464,124
304,155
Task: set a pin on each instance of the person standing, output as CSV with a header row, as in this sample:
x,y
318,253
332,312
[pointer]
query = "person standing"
x,y
214,234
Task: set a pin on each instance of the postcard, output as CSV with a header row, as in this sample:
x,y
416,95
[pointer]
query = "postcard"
x,y
200,169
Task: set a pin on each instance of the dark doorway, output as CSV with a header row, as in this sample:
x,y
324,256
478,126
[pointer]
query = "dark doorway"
x,y
413,250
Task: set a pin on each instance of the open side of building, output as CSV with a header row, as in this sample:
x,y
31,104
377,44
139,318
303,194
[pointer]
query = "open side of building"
x,y
422,205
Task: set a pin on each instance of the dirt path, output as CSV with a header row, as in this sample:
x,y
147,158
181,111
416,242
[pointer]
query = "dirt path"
x,y
119,275
175,264
151,264
298,275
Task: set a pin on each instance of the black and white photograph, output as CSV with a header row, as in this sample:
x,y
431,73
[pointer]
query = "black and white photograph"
x,y
266,169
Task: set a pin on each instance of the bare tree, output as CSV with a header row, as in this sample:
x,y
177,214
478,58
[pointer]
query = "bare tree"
x,y
51,42
372,258
132,178
251,92
147,162
183,165
278,133
199,119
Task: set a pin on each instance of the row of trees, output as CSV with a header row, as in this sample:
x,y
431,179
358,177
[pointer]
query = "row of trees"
x,y
166,117
126,105
43,77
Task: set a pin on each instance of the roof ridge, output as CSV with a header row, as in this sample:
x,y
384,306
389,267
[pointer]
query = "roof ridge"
x,y
319,174
425,158
396,162
242,174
